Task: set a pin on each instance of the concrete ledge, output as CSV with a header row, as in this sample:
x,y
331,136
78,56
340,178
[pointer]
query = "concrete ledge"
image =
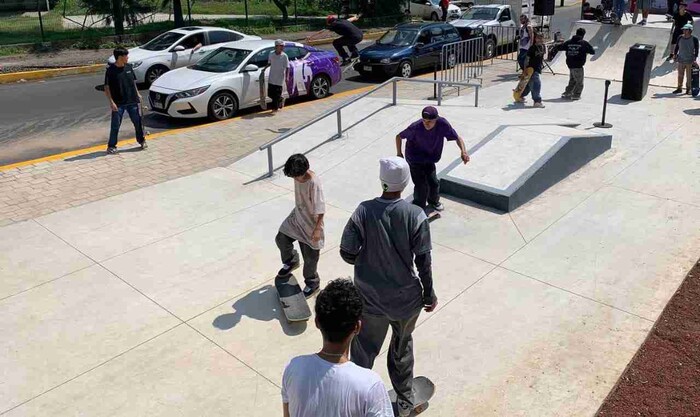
x,y
49,73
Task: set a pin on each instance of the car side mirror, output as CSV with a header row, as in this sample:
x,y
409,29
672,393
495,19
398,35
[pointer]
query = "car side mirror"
x,y
420,45
427,3
251,68
179,48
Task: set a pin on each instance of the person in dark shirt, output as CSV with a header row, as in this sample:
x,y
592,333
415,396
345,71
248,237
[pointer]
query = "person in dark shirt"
x,y
424,142
350,36
123,95
680,19
576,50
535,60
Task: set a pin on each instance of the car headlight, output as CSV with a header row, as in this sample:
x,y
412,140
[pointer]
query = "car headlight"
x,y
191,93
136,64
385,61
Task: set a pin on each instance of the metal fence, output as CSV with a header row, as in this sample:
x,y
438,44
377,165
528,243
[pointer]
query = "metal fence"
x,y
462,61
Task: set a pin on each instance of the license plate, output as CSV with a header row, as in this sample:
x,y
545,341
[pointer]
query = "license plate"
x,y
367,68
157,105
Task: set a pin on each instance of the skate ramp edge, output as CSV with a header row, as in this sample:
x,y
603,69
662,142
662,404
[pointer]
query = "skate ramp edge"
x,y
515,164
613,42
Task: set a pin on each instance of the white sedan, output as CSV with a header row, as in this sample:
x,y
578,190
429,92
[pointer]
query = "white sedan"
x,y
178,48
430,9
228,79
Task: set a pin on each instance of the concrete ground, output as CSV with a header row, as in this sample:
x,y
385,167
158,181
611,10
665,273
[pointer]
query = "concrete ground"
x,y
158,301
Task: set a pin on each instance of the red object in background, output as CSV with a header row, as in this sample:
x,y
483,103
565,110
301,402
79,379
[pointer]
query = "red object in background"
x,y
633,6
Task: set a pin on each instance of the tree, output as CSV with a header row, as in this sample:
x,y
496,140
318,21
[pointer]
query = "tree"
x,y
177,12
282,5
117,11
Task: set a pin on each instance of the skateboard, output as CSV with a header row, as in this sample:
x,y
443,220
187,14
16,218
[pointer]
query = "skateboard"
x,y
263,90
433,215
524,80
292,299
423,391
351,64
695,80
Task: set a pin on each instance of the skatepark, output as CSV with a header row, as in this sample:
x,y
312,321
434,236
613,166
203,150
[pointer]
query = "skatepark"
x,y
161,301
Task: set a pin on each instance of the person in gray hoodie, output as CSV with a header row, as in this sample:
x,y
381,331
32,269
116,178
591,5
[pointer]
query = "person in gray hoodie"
x,y
686,53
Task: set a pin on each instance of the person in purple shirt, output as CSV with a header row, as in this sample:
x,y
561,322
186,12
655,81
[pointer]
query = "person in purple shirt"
x,y
424,142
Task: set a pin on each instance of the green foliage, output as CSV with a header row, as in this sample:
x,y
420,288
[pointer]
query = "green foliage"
x,y
131,9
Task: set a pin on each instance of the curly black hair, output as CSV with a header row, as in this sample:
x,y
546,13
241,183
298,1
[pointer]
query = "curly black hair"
x,y
296,165
338,309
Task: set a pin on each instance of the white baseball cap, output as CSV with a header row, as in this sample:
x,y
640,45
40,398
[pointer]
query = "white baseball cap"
x,y
279,42
394,173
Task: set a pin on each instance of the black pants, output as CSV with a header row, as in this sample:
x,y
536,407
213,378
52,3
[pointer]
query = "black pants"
x,y
426,184
275,93
672,6
290,256
444,15
343,41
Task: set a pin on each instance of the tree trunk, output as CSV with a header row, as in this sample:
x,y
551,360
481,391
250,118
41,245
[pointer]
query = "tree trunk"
x,y
280,4
118,16
177,14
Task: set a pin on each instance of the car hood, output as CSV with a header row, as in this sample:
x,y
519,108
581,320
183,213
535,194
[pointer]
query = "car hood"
x,y
463,23
183,79
138,54
382,51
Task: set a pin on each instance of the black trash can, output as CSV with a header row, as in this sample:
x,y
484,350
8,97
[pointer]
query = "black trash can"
x,y
637,72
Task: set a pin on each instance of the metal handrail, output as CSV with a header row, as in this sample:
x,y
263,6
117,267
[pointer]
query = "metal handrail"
x,y
337,110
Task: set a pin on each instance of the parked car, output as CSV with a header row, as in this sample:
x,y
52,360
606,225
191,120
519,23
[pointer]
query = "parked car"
x,y
430,10
463,5
495,20
227,79
406,48
178,48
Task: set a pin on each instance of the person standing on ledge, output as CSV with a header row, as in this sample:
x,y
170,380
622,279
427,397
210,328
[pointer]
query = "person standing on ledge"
x,y
123,96
424,142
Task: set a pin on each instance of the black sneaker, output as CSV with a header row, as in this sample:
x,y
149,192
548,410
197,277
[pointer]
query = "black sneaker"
x,y
112,150
438,206
144,145
677,91
287,270
687,92
576,98
311,291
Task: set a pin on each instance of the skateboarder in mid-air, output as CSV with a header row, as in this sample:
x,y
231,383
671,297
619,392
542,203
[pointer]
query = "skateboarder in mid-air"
x,y
383,239
350,36
424,142
576,50
340,388
304,224
686,54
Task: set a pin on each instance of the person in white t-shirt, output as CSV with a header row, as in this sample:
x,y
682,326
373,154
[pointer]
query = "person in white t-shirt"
x,y
326,383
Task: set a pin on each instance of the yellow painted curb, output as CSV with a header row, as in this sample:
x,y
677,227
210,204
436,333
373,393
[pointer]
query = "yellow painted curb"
x,y
49,73
96,148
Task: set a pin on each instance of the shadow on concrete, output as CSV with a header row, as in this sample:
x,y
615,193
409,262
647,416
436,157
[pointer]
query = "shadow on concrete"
x,y
617,99
280,130
519,106
472,204
692,112
261,304
667,95
558,100
259,115
663,69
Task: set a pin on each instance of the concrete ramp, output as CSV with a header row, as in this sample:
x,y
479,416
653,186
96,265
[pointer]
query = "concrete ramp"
x,y
613,42
517,163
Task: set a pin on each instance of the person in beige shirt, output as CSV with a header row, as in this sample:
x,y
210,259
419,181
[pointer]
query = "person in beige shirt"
x,y
304,224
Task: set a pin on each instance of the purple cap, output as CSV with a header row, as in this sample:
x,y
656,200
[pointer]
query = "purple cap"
x,y
429,113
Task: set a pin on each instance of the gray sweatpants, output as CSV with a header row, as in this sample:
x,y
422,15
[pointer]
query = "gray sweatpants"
x,y
575,86
366,346
289,256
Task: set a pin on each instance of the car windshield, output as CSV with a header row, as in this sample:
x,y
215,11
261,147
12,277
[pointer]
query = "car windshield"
x,y
221,60
162,41
398,37
480,13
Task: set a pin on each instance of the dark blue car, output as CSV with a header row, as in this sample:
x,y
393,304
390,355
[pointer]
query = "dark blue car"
x,y
406,48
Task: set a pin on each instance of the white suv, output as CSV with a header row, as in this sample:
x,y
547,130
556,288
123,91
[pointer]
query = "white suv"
x,y
178,48
430,10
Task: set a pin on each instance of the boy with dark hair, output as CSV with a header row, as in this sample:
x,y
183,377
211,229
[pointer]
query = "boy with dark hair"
x,y
535,59
123,95
326,383
304,224
576,50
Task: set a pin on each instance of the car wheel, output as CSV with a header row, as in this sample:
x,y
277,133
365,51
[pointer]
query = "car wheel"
x,y
222,106
405,69
434,17
320,86
451,61
154,73
489,49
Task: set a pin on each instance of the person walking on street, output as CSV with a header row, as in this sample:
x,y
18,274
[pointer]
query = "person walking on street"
x,y
535,59
686,54
425,139
576,51
123,95
278,62
340,388
304,224
680,19
350,36
526,37
383,239
444,6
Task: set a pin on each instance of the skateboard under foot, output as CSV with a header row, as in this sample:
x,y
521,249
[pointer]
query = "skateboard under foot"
x,y
423,391
292,299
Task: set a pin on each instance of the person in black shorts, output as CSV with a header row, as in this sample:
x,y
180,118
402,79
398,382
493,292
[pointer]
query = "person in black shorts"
x,y
350,36
680,19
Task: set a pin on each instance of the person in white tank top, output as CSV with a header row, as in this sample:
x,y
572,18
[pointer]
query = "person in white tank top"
x,y
526,38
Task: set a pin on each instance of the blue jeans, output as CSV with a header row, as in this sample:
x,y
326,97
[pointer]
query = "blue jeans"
x,y
522,54
535,85
619,8
117,116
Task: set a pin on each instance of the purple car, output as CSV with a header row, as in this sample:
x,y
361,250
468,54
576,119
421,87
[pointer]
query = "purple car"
x,y
228,79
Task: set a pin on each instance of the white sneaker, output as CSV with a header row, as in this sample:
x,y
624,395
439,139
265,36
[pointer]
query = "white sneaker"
x,y
538,105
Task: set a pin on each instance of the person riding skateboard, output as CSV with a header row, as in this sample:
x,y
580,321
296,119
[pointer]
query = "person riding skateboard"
x,y
350,36
304,224
341,388
383,239
424,143
686,54
123,95
525,42
278,61
576,51
535,59
680,19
